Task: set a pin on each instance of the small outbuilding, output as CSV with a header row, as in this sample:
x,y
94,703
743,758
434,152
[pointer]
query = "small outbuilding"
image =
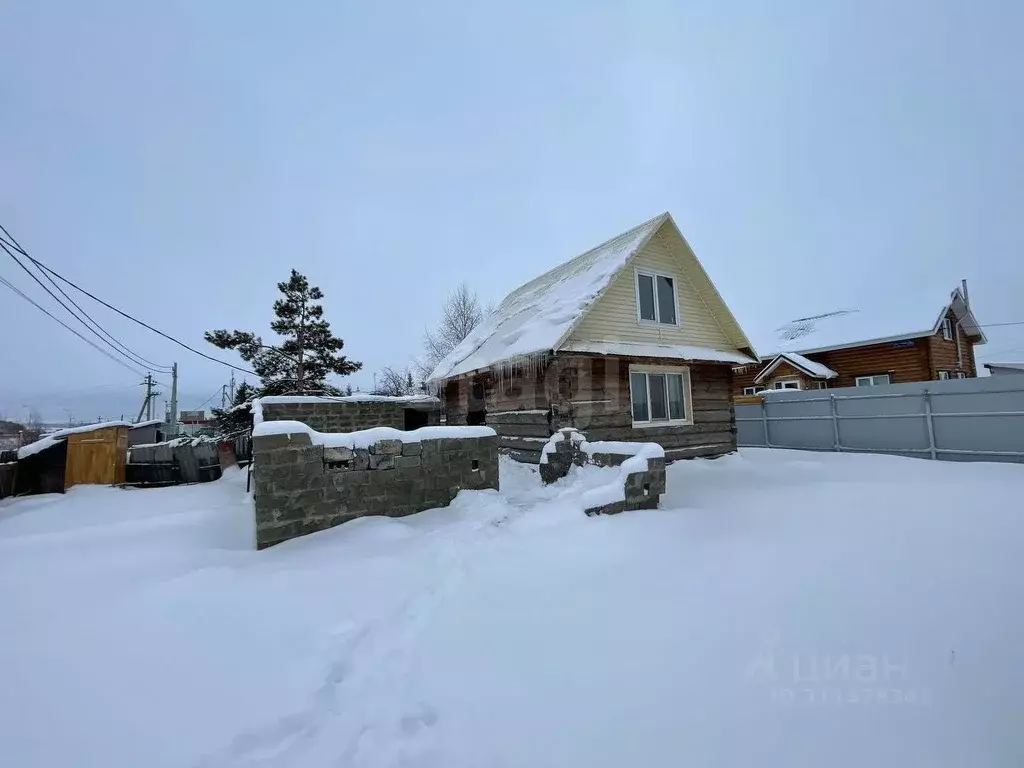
x,y
93,454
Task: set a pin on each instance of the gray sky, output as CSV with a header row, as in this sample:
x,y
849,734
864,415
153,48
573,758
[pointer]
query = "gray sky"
x,y
179,158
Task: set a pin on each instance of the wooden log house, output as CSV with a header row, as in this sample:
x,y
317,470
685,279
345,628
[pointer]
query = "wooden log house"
x,y
629,341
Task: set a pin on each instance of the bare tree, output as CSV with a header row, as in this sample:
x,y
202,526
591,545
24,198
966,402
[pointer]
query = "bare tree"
x,y
392,382
461,312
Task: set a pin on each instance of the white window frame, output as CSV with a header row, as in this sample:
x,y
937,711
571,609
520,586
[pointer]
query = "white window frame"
x,y
961,375
785,384
869,381
943,375
687,395
947,329
822,385
752,390
654,274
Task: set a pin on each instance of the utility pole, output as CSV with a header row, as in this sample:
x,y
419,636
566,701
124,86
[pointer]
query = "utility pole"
x,y
172,422
231,399
223,396
147,404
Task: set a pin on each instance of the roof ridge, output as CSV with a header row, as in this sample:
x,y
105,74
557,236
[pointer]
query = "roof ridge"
x,y
562,265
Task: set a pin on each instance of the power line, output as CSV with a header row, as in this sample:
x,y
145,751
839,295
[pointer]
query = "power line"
x,y
45,311
100,328
95,298
129,355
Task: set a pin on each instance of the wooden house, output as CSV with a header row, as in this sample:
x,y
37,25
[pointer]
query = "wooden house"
x,y
627,341
904,340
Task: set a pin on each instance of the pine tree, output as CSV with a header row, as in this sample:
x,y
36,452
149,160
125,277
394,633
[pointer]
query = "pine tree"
x,y
409,386
348,390
236,419
309,353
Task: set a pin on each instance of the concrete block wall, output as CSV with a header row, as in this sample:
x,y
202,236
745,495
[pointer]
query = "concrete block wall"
x,y
325,415
642,488
301,488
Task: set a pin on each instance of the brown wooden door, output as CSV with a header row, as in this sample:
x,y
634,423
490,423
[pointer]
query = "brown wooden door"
x,y
97,458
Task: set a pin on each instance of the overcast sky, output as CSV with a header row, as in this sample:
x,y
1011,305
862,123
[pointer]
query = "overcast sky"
x,y
179,158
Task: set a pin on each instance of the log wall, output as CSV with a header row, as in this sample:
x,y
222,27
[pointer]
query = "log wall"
x,y
591,393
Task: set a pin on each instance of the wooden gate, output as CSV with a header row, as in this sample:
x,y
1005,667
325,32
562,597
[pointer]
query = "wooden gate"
x,y
97,457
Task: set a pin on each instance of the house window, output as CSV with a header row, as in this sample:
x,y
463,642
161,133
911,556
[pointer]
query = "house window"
x,y
787,384
943,375
656,298
961,375
752,390
947,329
872,381
660,396
822,384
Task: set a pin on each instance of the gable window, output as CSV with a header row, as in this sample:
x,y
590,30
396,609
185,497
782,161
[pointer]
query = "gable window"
x,y
656,298
659,396
752,390
787,384
947,329
872,381
943,375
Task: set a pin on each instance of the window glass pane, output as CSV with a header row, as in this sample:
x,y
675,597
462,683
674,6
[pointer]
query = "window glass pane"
x,y
638,392
659,403
646,292
666,300
883,379
676,407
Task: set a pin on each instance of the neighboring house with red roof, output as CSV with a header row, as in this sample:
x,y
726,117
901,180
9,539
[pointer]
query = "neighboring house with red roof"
x,y
907,341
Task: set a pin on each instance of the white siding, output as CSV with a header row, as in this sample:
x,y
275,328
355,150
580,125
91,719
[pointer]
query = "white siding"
x,y
614,316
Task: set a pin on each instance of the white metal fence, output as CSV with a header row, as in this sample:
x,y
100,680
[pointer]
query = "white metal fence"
x,y
965,420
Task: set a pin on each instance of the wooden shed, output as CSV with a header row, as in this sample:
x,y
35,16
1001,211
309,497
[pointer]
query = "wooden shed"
x,y
97,457
94,454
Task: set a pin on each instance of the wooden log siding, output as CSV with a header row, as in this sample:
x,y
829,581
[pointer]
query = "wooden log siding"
x,y
910,360
591,393
594,397
942,353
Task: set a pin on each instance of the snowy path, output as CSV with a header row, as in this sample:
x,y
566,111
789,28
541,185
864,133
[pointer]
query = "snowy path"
x,y
781,607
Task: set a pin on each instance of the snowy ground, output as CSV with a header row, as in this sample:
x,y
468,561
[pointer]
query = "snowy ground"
x,y
782,608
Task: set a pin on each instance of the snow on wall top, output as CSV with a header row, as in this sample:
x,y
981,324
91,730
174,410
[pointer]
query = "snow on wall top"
x,y
535,317
364,438
908,314
257,404
55,437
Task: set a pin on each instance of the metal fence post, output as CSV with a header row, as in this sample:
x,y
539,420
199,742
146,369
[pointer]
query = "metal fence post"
x,y
835,423
931,423
764,421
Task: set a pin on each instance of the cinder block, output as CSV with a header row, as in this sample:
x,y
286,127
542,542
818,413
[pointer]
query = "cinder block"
x,y
382,461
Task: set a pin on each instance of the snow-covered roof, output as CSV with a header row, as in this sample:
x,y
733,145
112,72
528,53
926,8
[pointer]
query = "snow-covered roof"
x,y
259,402
1010,366
811,368
536,317
55,437
150,423
684,352
880,319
